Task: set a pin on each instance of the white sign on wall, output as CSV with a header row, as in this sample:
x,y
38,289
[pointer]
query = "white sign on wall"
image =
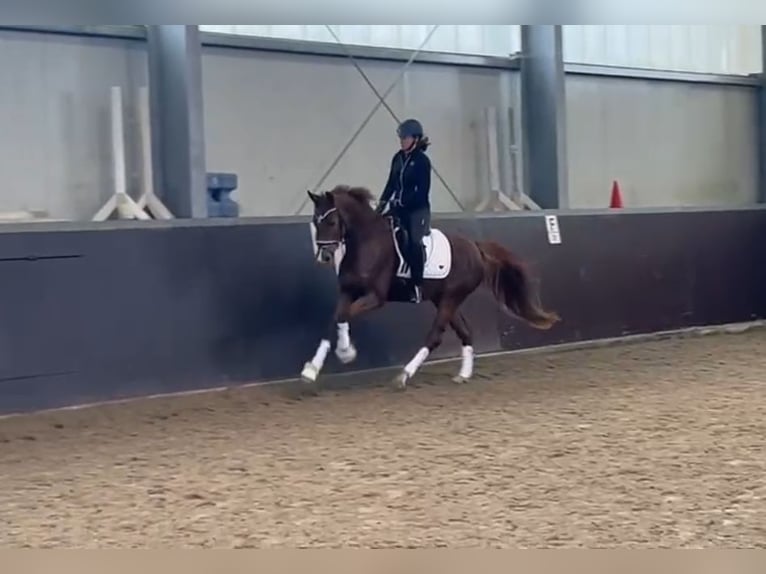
x,y
552,226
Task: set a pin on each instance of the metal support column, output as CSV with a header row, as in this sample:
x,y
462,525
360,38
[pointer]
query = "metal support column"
x,y
543,114
178,139
762,122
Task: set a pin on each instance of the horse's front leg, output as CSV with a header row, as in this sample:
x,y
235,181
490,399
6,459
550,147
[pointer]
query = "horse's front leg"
x,y
312,368
345,310
344,348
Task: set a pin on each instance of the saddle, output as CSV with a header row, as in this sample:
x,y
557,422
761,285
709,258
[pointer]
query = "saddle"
x,y
437,248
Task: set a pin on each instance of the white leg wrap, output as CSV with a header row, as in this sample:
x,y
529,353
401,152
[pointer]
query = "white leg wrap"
x,y
345,351
312,368
321,354
314,238
416,361
466,368
344,340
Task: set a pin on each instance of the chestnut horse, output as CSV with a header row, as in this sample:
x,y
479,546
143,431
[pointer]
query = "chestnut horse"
x,y
348,232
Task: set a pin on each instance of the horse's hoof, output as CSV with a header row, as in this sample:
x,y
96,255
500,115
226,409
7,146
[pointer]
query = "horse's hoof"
x,y
459,380
347,355
399,383
309,373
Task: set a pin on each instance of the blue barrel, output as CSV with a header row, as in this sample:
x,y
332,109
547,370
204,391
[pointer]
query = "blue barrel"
x,y
219,188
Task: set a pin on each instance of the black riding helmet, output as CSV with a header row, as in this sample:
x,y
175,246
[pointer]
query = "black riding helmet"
x,y
410,128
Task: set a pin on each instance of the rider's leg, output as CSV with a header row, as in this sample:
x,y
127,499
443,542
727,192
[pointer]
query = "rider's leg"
x,y
417,226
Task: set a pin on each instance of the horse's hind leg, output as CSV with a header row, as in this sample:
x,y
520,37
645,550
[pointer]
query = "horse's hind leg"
x,y
463,331
443,318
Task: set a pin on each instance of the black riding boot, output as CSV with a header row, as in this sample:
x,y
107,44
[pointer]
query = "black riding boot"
x,y
416,272
417,224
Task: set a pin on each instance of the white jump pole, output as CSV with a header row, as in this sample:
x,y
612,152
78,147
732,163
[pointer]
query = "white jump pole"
x,y
120,201
496,200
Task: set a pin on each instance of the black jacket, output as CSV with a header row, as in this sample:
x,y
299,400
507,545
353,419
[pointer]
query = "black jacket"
x,y
409,182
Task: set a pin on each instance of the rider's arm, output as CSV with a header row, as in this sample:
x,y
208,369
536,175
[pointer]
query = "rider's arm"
x,y
390,186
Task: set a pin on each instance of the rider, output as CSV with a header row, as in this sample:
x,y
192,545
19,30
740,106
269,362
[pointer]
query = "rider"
x,y
407,190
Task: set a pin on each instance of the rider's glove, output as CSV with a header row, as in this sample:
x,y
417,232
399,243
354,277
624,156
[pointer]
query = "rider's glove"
x,y
380,208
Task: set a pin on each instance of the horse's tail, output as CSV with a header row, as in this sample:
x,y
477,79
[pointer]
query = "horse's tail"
x,y
510,282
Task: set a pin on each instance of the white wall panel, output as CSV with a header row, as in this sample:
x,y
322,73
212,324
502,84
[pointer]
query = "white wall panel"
x,y
500,40
708,49
55,141
264,110
669,144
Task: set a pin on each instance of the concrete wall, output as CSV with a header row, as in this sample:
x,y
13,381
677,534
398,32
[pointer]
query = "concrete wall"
x,y
145,308
279,120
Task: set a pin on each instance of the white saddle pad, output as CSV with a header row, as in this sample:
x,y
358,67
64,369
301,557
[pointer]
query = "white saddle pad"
x,y
438,256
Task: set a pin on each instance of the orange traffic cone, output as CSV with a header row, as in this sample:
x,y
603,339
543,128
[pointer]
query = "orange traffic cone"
x,y
616,201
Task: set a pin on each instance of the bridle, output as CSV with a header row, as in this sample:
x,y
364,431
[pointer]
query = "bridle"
x,y
329,242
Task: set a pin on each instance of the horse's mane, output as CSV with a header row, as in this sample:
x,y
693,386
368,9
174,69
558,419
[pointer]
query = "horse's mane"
x,y
360,195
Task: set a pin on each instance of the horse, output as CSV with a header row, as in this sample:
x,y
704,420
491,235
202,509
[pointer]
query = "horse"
x,y
366,250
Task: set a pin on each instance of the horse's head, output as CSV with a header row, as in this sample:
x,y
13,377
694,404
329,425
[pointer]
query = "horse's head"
x,y
326,227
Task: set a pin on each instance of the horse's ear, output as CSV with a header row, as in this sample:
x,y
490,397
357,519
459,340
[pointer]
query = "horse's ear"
x,y
314,198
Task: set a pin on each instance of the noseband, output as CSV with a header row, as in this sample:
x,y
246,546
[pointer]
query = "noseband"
x,y
327,242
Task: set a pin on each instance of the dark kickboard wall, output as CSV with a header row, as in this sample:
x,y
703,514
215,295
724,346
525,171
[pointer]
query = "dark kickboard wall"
x,y
94,314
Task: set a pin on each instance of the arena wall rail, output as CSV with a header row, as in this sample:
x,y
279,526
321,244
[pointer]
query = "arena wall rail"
x,y
100,312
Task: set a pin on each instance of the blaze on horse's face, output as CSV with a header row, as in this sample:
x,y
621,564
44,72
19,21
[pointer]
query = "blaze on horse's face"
x,y
327,228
